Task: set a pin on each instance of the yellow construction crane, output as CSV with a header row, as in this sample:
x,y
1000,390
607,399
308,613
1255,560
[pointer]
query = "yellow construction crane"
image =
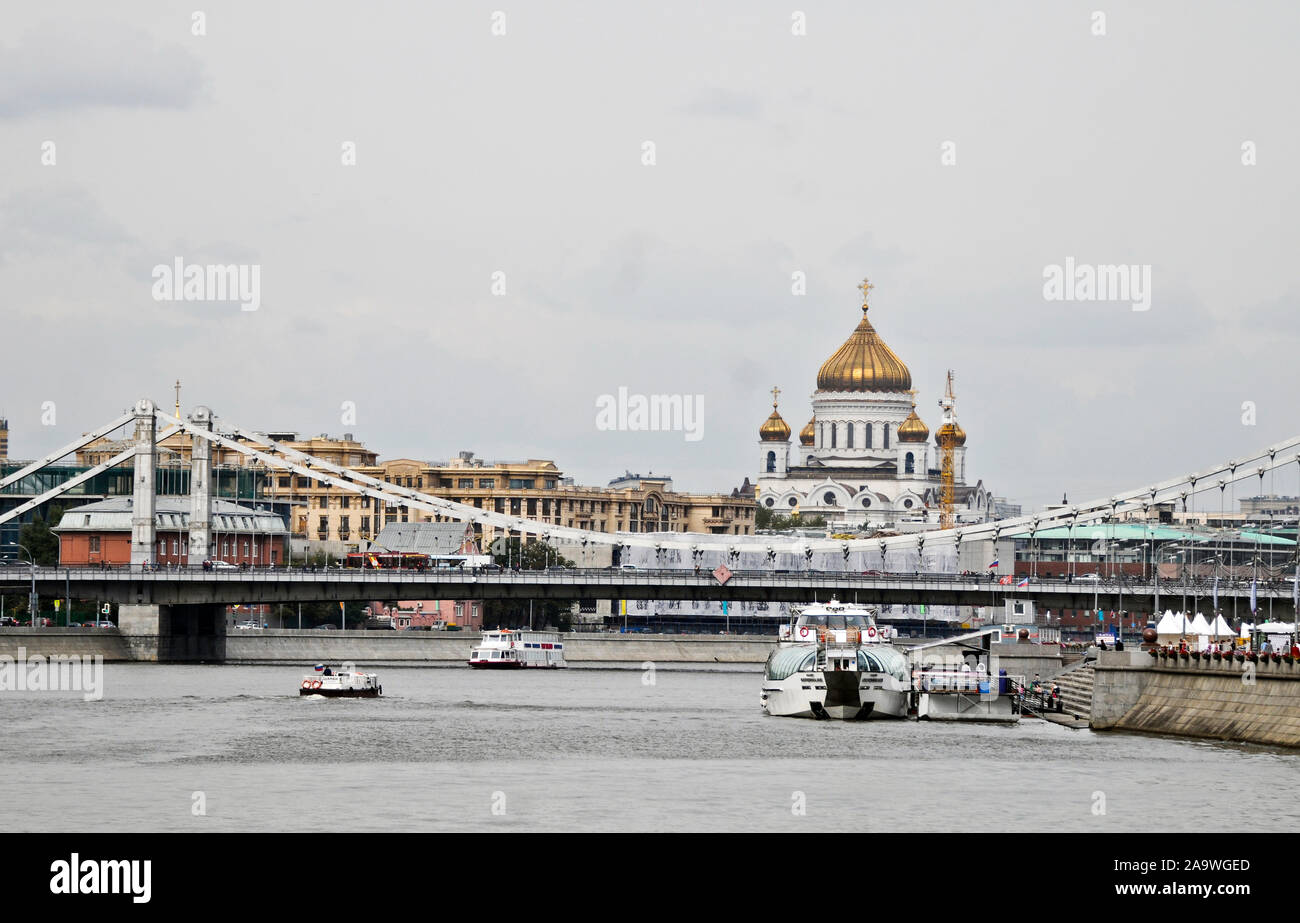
x,y
947,457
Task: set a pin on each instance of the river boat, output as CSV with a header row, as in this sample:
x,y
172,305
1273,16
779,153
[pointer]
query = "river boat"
x,y
506,649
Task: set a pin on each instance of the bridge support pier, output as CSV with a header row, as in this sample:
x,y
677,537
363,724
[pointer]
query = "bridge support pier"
x,y
174,634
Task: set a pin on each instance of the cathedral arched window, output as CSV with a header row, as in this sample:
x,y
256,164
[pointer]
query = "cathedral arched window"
x,y
909,464
828,498
770,502
771,461
848,441
833,427
885,430
867,443
792,501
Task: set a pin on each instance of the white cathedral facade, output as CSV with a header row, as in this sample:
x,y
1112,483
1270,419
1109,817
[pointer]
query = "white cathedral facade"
x,y
864,460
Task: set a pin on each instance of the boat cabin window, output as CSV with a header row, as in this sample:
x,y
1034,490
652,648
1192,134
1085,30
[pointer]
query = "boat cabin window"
x,y
836,622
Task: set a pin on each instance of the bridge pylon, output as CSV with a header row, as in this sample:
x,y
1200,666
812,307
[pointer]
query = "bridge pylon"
x,y
144,537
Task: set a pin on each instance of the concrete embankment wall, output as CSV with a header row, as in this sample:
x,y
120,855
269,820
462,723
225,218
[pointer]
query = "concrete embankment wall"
x,y
1223,700
55,642
375,647
270,646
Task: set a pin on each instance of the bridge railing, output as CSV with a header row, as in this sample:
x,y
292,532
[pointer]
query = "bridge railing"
x,y
11,571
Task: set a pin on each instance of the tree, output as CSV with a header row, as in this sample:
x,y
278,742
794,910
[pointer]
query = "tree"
x,y
514,613
778,522
37,538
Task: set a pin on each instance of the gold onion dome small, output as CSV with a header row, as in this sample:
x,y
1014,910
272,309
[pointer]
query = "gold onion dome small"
x,y
807,435
864,362
959,434
913,429
774,429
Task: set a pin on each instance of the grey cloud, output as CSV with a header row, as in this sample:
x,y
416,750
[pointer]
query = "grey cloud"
x,y
79,64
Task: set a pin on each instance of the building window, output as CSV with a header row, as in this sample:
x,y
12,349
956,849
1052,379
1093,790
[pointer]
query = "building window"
x,y
909,464
94,543
770,502
833,434
345,502
771,462
487,483
792,501
866,501
465,483
828,498
550,483
848,442
867,443
885,430
521,483
907,504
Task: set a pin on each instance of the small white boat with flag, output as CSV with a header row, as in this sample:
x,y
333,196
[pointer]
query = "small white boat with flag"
x,y
345,683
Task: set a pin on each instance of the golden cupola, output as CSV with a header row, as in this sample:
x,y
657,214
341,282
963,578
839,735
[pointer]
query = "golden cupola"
x,y
807,435
958,434
913,429
774,429
864,362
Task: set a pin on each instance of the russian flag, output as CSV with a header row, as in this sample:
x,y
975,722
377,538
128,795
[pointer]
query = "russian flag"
x,y
994,564
1024,581
320,668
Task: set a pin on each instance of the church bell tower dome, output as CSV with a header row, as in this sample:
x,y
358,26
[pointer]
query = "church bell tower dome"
x,y
864,362
774,429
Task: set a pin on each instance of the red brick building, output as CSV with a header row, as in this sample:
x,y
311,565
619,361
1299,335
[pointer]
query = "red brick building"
x,y
100,533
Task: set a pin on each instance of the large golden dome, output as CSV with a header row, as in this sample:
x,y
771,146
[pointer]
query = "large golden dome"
x,y
807,435
864,362
913,429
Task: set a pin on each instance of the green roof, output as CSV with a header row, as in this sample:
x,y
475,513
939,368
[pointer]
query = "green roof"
x,y
1134,532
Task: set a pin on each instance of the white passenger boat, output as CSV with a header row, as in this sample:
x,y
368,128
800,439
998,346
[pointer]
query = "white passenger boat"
x,y
833,661
505,649
346,683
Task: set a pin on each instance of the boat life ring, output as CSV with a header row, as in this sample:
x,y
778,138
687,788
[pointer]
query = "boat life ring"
x,y
306,684
871,631
803,631
315,684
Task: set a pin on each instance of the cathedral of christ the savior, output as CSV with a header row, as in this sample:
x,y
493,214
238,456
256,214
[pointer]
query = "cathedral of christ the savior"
x,y
864,461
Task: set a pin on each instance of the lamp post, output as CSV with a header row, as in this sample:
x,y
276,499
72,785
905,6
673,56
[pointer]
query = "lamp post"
x,y
33,603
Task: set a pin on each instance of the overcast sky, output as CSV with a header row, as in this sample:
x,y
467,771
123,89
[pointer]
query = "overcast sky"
x,y
775,153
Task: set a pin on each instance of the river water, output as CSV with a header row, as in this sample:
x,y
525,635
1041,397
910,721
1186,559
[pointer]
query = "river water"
x,y
449,748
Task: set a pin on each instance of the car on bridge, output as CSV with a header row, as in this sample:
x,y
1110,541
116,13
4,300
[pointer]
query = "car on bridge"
x,y
103,624
1093,578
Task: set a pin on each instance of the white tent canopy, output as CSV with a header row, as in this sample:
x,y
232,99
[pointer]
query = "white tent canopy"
x,y
1169,624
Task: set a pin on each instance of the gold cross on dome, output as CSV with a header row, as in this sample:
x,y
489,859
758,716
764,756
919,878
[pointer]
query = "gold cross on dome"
x,y
865,288
776,393
913,392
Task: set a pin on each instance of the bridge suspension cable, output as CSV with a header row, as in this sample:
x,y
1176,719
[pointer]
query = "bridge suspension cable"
x,y
80,478
334,475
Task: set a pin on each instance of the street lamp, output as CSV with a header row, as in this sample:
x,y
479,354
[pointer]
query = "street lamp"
x,y
32,602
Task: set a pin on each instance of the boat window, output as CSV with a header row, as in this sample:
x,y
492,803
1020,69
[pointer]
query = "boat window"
x,y
785,661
